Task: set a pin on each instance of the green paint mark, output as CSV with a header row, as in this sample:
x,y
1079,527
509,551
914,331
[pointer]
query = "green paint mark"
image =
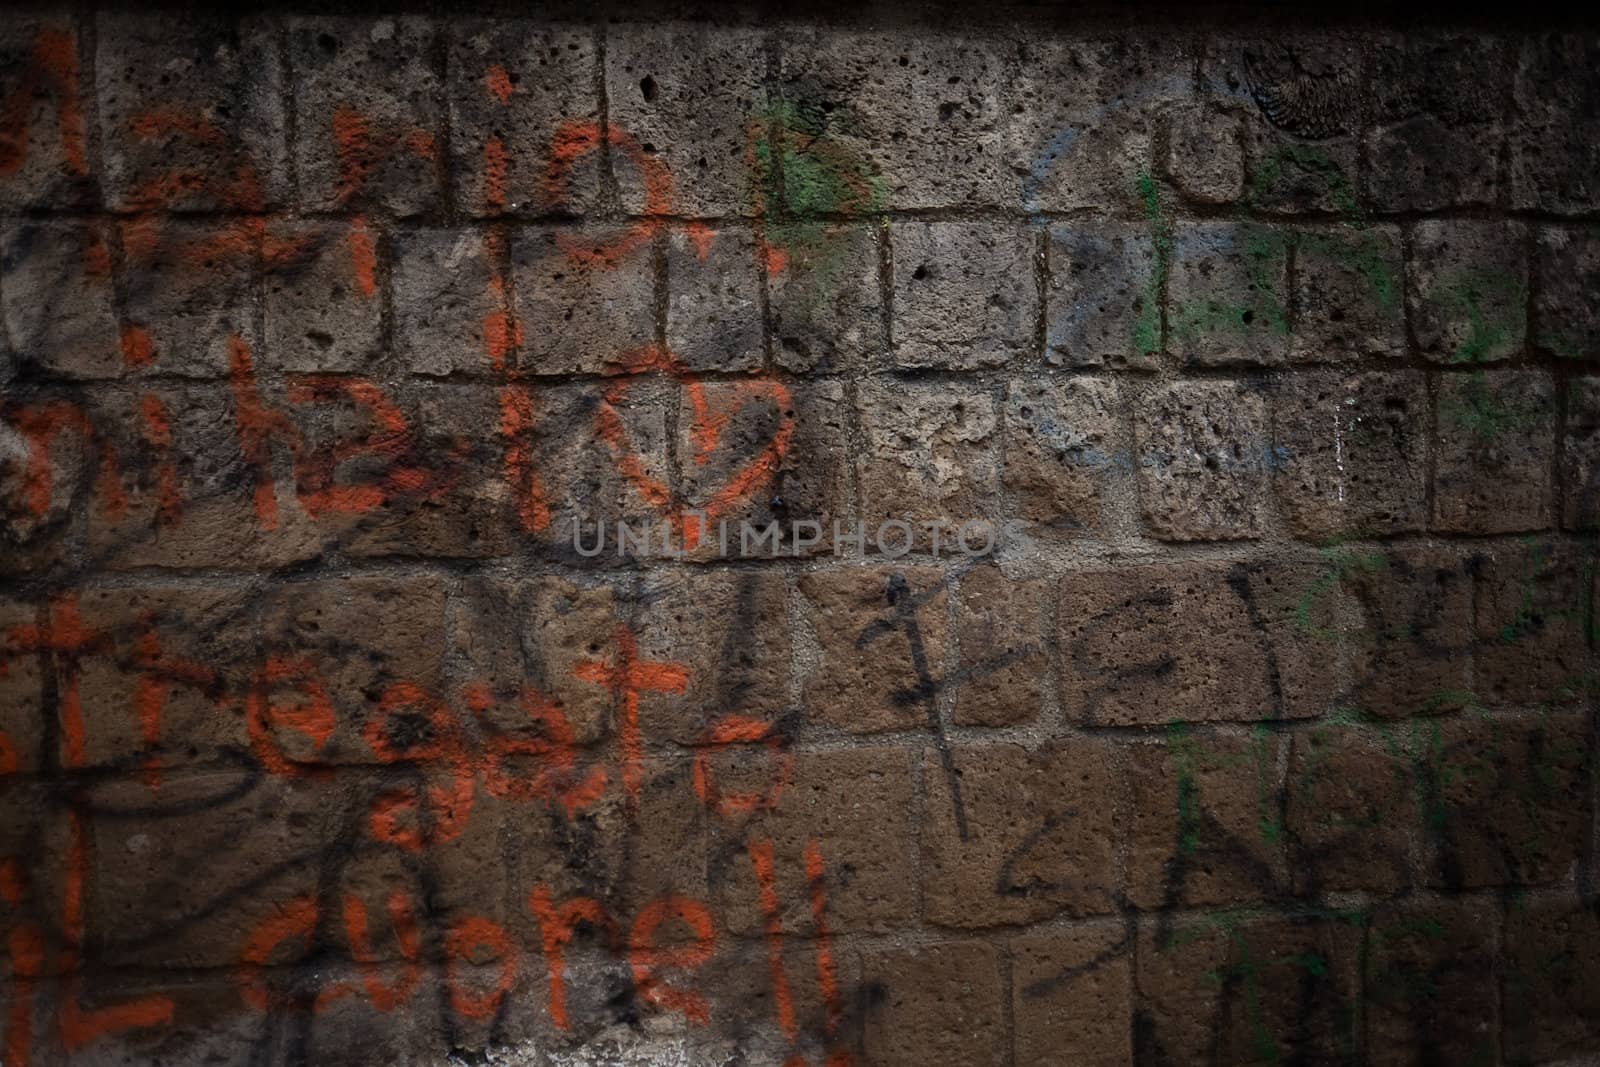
x,y
1494,303
1480,411
1270,171
1147,330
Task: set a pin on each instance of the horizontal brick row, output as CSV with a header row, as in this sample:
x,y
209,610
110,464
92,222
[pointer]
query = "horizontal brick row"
x,y
98,300
412,115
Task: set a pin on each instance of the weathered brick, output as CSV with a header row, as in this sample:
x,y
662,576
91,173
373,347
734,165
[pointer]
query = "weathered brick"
x,y
560,625
1179,967
1430,983
725,631
876,625
1434,124
146,894
936,1004
1354,452
826,299
1347,294
1495,452
694,100
807,1023
1532,621
1000,627
519,93
1551,988
188,492
166,686
1206,827
930,454
1506,799
186,292
1104,297
1580,456
50,457
714,299
191,112
964,294
1205,154
1070,996
622,854
585,298
1554,133
367,113
1411,641
1229,294
1158,643
363,640
763,452
921,140
1087,114
1291,990
600,457
1350,812
1013,836
1066,453
323,310
1203,459
58,298
206,1021
44,92
1566,317
1468,290
850,810
445,303
21,690
1298,94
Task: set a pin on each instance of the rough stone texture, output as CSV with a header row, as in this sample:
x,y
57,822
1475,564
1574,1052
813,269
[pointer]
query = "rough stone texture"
x,y
1553,125
1347,294
1434,129
339,724
1065,449
1567,268
1297,95
963,295
58,298
584,298
926,141
1104,298
1494,452
1229,294
1430,983
1507,798
1203,459
1069,995
1206,828
939,1004
1348,812
1050,816
367,99
875,625
930,453
1001,676
1354,450
516,88
1468,290
1253,664
191,113
1580,449
827,307
714,307
322,307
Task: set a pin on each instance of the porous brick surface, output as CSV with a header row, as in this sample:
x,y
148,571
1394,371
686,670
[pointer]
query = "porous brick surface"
x,y
606,536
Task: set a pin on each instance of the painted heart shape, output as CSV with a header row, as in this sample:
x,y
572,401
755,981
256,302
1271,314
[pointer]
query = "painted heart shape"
x,y
709,424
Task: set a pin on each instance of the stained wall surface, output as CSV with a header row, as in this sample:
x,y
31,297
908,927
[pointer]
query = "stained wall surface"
x,y
1257,728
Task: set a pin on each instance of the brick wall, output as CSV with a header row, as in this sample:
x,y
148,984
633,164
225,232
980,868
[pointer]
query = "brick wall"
x,y
1263,734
